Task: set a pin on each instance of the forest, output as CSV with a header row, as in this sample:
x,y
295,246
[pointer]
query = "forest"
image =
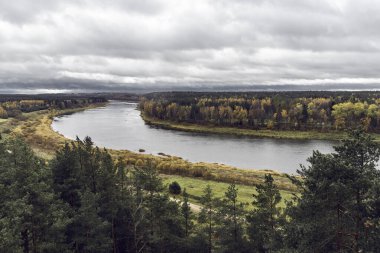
x,y
15,105
85,201
320,111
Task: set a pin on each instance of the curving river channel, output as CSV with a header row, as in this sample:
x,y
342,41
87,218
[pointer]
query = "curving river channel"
x,y
118,125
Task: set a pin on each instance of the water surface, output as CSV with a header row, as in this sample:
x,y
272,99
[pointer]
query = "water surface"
x,y
118,125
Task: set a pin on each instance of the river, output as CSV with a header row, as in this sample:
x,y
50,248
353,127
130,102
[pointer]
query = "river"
x,y
118,125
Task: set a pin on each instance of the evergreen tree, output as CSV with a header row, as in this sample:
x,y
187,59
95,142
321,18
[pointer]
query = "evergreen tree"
x,y
372,223
186,212
67,175
207,216
230,228
88,232
336,209
84,178
360,155
31,219
264,225
156,219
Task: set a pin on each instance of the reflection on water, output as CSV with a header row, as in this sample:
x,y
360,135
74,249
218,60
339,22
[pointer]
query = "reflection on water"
x,y
119,126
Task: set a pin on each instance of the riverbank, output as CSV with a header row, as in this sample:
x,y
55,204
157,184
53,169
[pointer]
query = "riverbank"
x,y
36,129
278,134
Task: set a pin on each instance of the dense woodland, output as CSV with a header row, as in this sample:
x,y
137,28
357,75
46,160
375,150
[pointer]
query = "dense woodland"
x,y
321,111
83,201
13,106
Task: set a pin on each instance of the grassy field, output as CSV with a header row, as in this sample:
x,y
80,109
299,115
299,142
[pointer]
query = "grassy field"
x,y
301,135
194,187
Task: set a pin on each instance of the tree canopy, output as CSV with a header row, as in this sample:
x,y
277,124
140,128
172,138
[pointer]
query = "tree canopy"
x,y
84,201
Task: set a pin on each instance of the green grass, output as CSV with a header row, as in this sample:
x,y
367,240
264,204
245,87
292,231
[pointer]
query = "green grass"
x,y
279,134
194,187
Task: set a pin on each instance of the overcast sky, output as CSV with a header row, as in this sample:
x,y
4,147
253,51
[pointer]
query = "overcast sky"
x,y
97,44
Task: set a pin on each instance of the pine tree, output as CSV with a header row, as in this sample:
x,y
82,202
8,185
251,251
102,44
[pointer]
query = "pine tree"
x,y
84,178
88,231
372,223
186,212
31,219
156,219
230,228
207,216
124,229
264,221
67,175
360,154
335,211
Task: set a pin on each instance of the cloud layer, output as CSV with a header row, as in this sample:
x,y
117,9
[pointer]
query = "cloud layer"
x,y
94,44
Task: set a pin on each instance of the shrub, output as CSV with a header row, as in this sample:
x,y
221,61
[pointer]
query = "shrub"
x,y
175,188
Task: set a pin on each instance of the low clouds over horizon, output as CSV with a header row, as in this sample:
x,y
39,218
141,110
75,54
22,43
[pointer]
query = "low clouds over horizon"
x,y
100,45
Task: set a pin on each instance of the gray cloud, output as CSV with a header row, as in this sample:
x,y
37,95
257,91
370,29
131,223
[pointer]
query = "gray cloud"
x,y
96,45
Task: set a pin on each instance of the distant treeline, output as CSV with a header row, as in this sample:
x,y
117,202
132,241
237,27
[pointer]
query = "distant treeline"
x,y
13,105
320,111
84,201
